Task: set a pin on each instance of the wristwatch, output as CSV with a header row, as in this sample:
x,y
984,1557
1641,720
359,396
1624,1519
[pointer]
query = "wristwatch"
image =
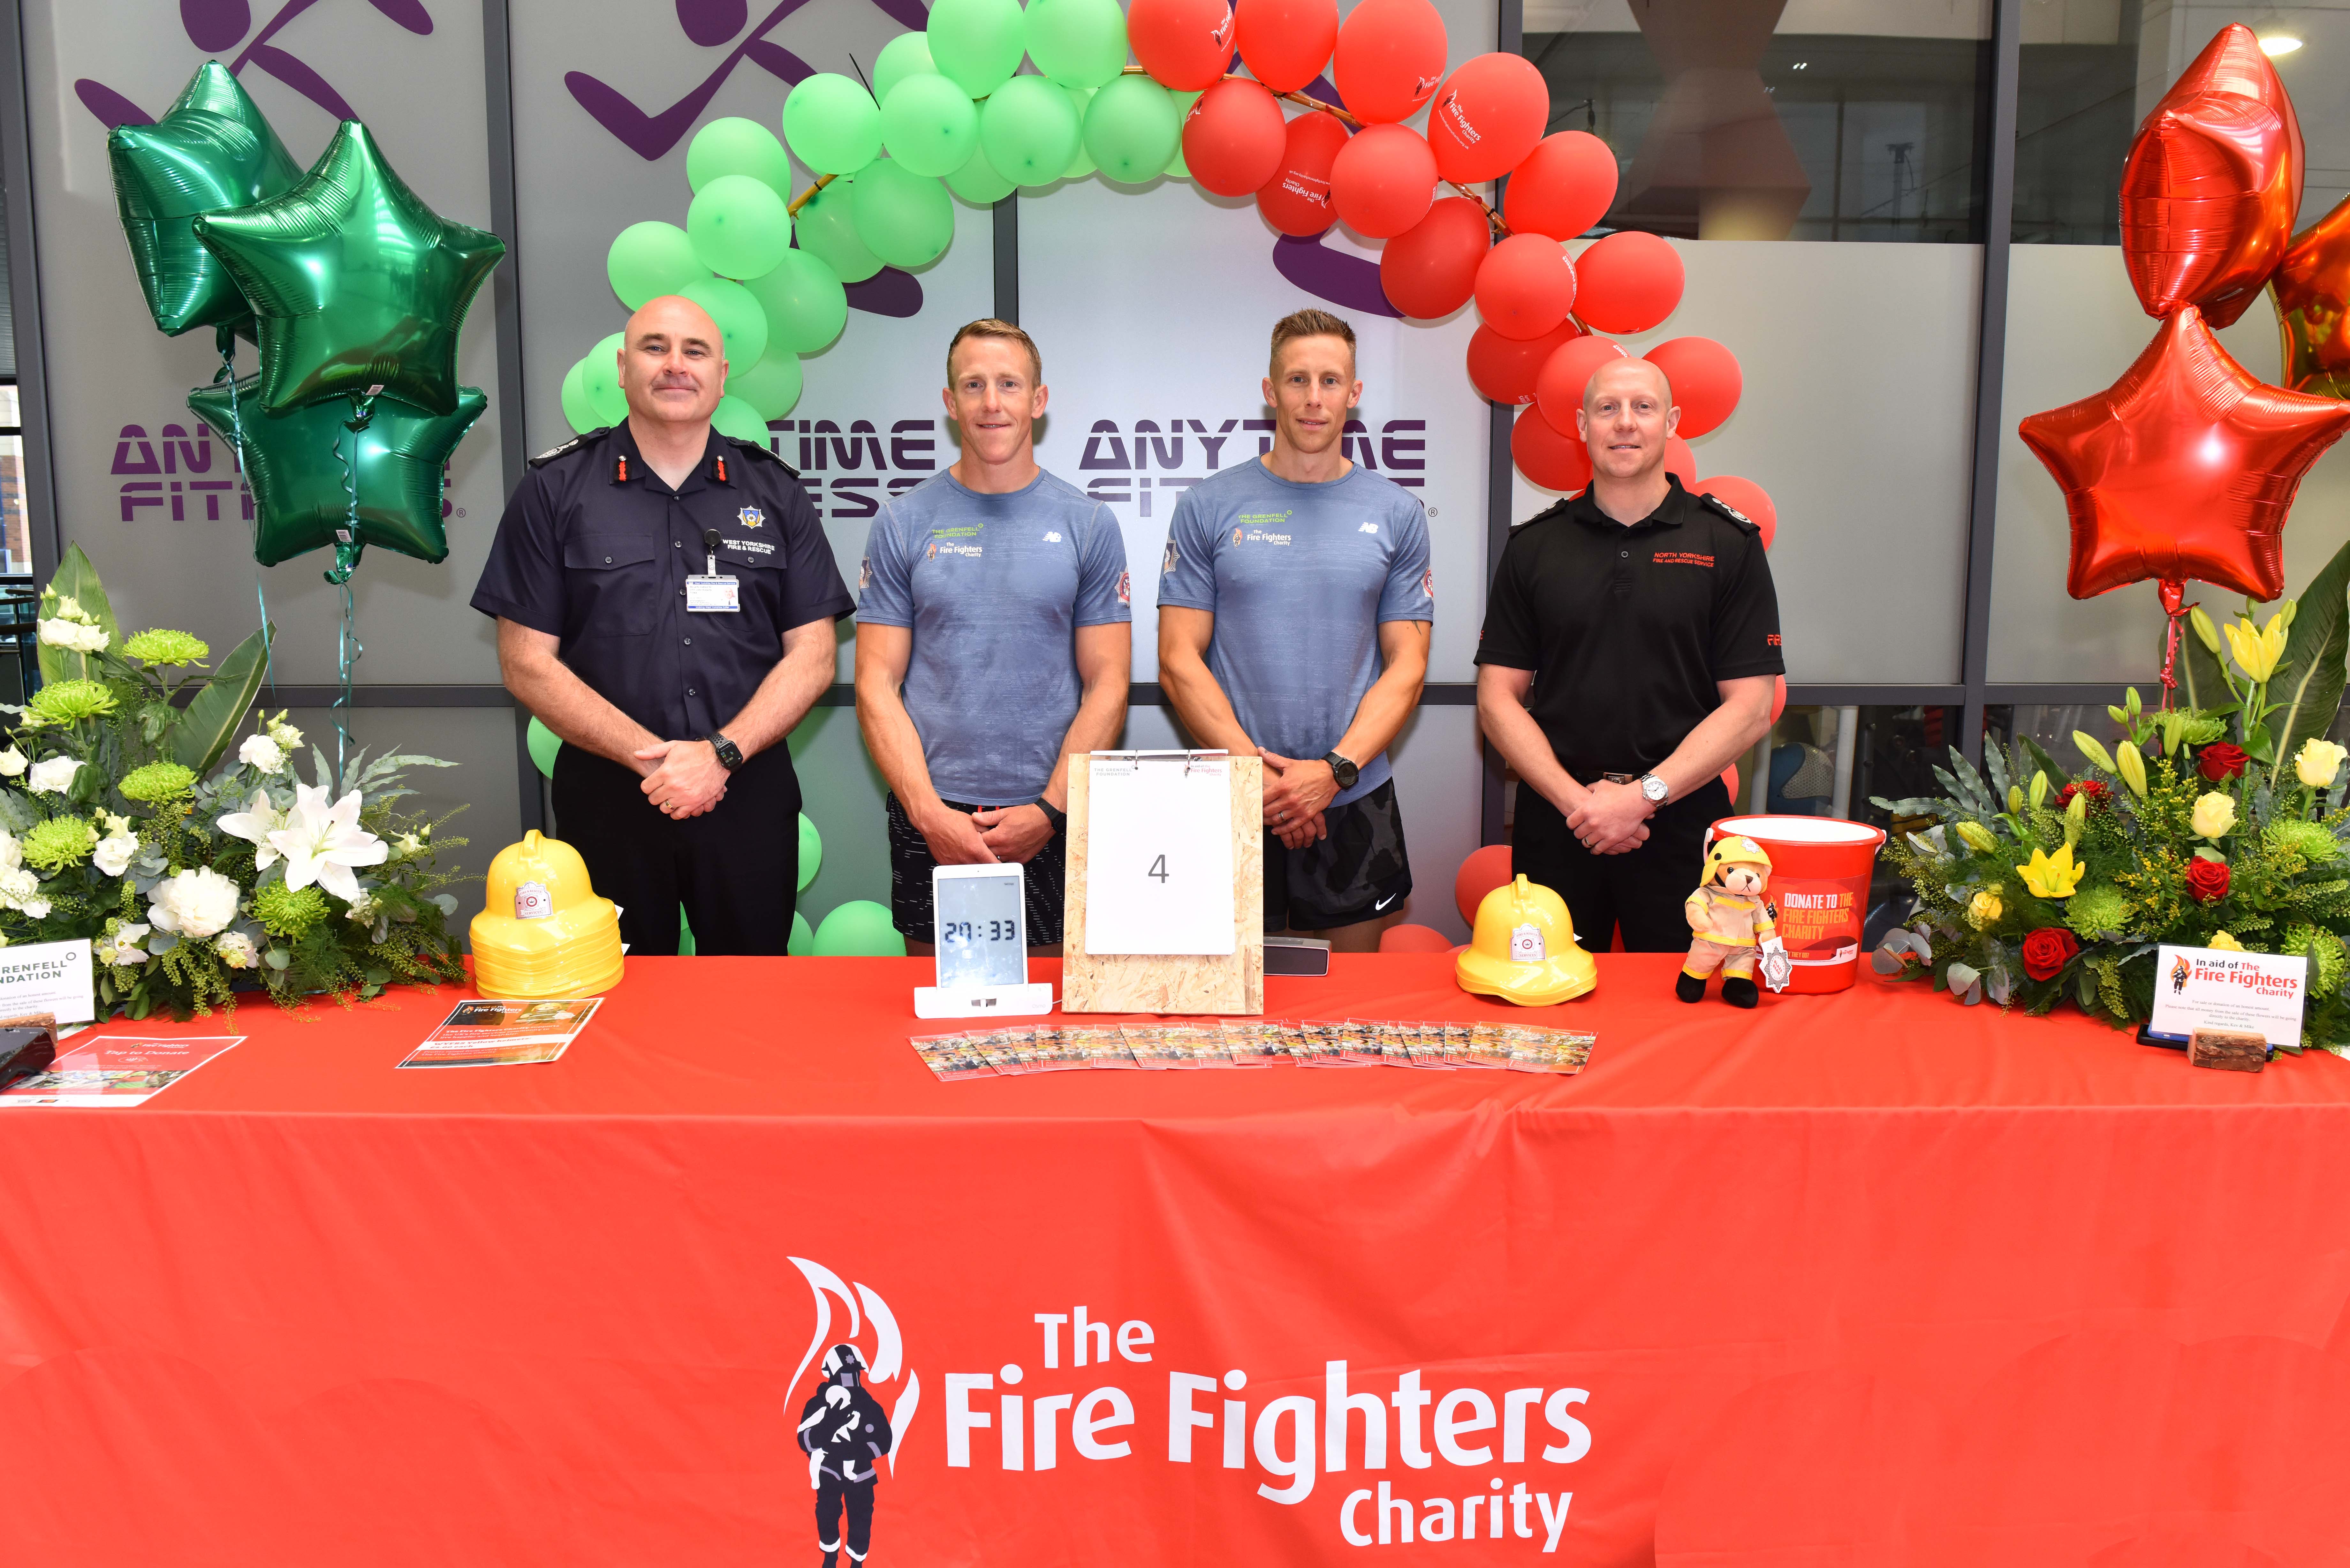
x,y
729,757
1653,789
1345,772
1058,819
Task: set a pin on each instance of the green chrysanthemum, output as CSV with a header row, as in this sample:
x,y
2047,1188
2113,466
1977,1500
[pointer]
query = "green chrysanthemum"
x,y
59,842
163,646
288,912
70,701
2330,956
2309,840
2093,911
157,783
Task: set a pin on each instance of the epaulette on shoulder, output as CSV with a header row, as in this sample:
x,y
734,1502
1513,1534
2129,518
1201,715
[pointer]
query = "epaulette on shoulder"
x,y
1716,504
1555,509
758,450
568,448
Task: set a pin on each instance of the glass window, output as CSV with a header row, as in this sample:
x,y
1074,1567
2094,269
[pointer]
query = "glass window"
x,y
15,541
1750,120
2093,69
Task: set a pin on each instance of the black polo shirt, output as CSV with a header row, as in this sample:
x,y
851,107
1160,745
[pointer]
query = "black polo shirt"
x,y
595,551
1628,629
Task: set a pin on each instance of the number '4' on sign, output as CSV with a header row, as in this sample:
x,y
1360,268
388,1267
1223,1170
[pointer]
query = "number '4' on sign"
x,y
1159,855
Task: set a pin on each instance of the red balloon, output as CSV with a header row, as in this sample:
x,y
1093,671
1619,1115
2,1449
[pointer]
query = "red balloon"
x,y
1559,388
1705,380
1730,782
1565,185
1629,281
2313,302
2212,183
1525,286
1234,137
1778,697
1680,460
1383,181
1391,59
1505,369
1431,269
1745,496
1545,457
1285,43
1185,45
2186,467
1484,870
1487,117
1297,200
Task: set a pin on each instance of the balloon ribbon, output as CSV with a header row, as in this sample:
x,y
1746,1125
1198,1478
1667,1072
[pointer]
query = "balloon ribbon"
x,y
2174,595
225,339
349,546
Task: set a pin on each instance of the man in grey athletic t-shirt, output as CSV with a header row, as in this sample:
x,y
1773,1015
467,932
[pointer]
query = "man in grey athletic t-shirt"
x,y
993,641
1295,604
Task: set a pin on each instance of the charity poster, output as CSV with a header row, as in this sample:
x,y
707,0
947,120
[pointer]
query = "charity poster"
x,y
493,1033
114,1073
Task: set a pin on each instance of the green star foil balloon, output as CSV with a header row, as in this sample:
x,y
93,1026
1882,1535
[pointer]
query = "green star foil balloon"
x,y
295,464
212,151
357,284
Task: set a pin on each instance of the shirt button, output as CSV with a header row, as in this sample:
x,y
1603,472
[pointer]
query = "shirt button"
x,y
676,545
689,690
608,560
1626,554
689,642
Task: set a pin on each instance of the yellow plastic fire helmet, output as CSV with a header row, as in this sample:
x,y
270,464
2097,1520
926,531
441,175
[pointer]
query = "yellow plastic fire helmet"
x,y
1524,948
544,931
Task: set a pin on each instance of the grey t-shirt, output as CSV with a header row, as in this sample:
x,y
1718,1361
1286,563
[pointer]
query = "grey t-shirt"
x,y
995,587
1299,578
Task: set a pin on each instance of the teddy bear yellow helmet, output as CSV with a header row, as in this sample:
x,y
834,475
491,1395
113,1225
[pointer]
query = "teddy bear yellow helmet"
x,y
544,931
1524,948
1734,850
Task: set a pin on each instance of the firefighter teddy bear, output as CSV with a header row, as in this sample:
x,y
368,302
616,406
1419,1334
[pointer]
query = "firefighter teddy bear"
x,y
1735,928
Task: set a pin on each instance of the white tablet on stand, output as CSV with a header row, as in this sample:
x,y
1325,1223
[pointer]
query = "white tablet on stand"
x,y
979,926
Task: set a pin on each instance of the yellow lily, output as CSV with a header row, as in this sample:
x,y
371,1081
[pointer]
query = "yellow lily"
x,y
2131,765
2051,875
2257,653
1977,838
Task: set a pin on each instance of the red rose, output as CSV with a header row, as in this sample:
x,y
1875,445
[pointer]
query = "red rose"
x,y
2221,761
2207,880
2095,789
2048,951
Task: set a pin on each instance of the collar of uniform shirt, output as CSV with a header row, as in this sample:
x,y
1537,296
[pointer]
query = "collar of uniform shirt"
x,y
629,467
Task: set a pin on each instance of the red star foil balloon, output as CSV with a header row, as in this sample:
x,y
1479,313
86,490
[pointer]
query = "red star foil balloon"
x,y
2186,467
2313,304
2212,184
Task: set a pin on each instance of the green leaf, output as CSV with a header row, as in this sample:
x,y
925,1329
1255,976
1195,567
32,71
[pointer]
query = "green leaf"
x,y
2057,777
2200,682
210,723
2315,645
76,578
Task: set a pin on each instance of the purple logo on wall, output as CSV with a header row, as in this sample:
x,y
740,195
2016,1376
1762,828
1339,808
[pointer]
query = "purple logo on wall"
x,y
216,26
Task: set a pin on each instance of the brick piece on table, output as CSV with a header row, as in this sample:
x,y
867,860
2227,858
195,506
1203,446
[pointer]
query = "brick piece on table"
x,y
2230,1050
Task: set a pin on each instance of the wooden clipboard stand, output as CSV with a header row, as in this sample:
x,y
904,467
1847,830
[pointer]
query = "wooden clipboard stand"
x,y
1230,982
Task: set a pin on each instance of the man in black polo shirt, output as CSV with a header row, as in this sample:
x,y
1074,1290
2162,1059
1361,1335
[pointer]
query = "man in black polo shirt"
x,y
665,601
1629,646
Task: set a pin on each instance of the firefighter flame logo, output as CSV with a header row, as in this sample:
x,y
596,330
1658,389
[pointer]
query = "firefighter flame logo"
x,y
2179,971
843,1429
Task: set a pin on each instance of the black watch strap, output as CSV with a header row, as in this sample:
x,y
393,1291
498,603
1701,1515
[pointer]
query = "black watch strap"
x,y
730,756
1346,770
1059,819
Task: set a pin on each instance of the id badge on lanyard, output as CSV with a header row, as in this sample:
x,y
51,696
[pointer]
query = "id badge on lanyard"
x,y
712,593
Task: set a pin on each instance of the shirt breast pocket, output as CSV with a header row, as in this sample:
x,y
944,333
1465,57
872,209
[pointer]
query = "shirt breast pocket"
x,y
614,585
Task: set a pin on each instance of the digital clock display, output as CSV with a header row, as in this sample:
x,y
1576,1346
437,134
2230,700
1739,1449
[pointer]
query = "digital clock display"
x,y
979,934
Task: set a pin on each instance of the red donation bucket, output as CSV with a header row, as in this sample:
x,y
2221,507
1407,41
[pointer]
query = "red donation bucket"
x,y
1820,868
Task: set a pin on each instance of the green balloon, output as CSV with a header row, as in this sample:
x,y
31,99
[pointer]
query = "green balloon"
x,y
737,146
772,386
1081,162
979,182
213,148
1077,43
803,939
977,44
599,377
805,306
684,934
739,226
735,417
833,124
811,851
827,231
1132,129
295,462
1176,168
578,413
740,320
1029,130
860,928
649,260
928,126
543,743
906,219
355,283
907,55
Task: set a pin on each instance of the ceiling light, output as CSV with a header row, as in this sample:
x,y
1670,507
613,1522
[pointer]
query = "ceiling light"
x,y
2277,44
1800,65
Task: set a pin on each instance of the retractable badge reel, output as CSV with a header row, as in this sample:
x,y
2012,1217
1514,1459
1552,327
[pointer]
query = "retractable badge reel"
x,y
711,592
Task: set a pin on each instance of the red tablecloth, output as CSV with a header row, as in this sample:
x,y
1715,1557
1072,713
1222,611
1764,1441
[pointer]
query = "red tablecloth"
x,y
1862,1279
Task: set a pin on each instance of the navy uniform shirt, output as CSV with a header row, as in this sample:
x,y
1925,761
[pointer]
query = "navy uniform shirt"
x,y
1627,629
595,548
